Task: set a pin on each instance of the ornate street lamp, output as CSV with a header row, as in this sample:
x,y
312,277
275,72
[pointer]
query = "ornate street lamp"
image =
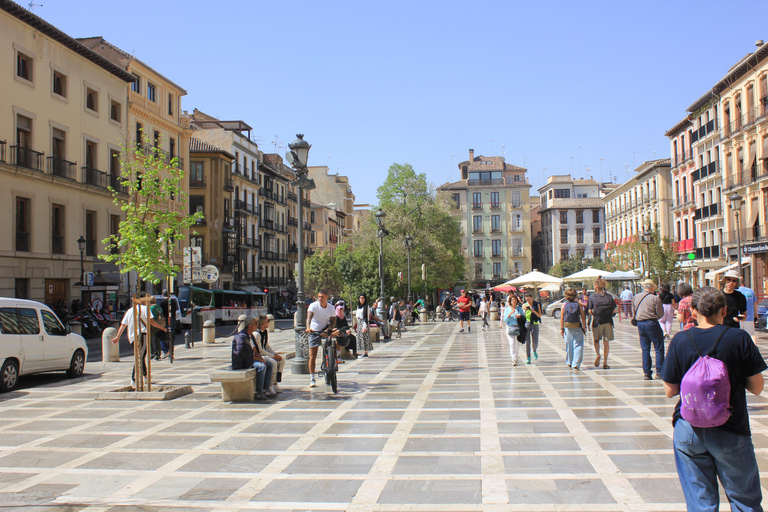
x,y
81,245
408,243
736,206
382,312
297,157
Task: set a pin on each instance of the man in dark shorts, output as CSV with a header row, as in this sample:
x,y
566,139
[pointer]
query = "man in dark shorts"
x,y
465,304
320,315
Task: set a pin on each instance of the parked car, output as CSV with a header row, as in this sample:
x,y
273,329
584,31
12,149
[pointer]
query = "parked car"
x,y
762,308
33,340
761,322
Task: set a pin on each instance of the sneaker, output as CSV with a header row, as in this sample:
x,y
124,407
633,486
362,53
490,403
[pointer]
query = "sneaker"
x,y
658,375
164,356
259,396
133,384
514,363
312,383
535,356
647,376
469,329
528,361
462,330
575,368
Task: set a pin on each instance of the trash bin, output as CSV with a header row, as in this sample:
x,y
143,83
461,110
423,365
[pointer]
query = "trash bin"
x,y
197,320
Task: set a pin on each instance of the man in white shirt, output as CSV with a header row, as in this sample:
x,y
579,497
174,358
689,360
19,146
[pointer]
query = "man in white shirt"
x,y
128,324
320,315
626,300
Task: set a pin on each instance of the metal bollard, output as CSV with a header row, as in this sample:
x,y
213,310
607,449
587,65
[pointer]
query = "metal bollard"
x,y
110,352
209,332
187,343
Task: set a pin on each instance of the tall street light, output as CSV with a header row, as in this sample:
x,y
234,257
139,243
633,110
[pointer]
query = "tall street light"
x,y
382,312
408,243
81,245
736,206
646,240
297,156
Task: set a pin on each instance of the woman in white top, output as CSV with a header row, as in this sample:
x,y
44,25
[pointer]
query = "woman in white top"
x,y
363,321
484,310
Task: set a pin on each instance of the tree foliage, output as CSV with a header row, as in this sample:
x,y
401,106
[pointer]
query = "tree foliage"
x,y
635,254
321,273
155,213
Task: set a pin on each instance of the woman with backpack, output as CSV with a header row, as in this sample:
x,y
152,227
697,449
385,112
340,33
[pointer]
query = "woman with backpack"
x,y
712,439
510,319
572,322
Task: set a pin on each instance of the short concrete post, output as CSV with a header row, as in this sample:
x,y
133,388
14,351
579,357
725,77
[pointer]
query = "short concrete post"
x,y
423,316
209,332
187,342
271,319
110,352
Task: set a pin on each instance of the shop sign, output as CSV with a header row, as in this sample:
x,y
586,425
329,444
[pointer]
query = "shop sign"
x,y
755,248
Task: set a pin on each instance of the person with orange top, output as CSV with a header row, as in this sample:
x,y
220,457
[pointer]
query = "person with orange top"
x,y
465,304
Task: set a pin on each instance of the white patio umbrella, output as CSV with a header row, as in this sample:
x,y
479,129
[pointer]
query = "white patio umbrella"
x,y
551,288
587,274
620,275
536,279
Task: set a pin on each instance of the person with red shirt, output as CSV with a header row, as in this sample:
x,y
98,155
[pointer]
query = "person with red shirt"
x,y
464,303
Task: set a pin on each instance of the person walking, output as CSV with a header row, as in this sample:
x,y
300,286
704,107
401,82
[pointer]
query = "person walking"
x,y
532,330
584,303
704,455
465,304
572,320
734,299
626,297
749,322
668,304
363,326
510,319
648,310
484,310
144,317
684,313
396,316
602,307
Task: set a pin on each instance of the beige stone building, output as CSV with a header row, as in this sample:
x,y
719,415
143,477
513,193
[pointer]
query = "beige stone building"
x,y
328,225
275,178
335,191
64,113
642,202
294,230
492,203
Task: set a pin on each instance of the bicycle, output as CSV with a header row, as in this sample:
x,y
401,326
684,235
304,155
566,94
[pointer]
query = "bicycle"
x,y
329,364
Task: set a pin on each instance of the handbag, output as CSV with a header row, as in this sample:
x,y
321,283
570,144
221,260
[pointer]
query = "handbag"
x,y
634,317
513,330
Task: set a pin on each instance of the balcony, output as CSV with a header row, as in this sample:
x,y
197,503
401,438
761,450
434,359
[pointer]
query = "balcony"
x,y
94,177
477,231
306,203
706,253
273,256
274,281
477,206
196,183
496,206
116,184
267,193
707,211
229,185
246,277
242,207
517,252
293,222
292,197
496,255
703,131
307,226
57,166
748,235
2,151
682,202
25,157
683,246
333,239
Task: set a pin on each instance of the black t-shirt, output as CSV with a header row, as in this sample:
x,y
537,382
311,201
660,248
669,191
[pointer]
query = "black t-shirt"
x,y
737,304
740,355
666,298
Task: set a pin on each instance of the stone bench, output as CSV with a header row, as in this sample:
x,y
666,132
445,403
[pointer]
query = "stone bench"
x,y
236,385
375,336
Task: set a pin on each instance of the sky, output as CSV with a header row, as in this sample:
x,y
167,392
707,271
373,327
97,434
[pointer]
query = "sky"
x,y
583,88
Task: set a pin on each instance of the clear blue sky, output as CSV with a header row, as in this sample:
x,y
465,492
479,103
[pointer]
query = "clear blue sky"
x,y
373,83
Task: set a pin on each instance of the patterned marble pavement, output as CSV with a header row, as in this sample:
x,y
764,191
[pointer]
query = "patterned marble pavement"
x,y
436,421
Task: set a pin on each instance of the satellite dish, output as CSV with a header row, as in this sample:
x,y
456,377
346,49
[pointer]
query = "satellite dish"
x,y
291,157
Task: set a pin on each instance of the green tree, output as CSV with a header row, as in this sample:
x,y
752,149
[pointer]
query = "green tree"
x,y
320,273
663,257
155,213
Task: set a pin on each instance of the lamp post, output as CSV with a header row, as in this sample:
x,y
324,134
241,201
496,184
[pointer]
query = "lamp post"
x,y
382,313
408,243
297,156
81,245
646,240
736,206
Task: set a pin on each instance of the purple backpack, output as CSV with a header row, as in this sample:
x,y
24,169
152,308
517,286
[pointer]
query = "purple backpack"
x,y
705,391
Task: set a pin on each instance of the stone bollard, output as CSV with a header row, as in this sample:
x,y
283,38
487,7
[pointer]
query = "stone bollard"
x,y
76,327
375,336
494,314
209,332
110,352
271,319
423,316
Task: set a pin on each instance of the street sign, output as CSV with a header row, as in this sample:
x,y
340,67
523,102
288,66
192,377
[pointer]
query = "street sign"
x,y
210,274
755,248
88,278
197,256
195,276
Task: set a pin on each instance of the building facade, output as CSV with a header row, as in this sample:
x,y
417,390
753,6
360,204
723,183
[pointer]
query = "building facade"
x,y
328,225
572,219
491,201
64,111
683,195
335,191
275,178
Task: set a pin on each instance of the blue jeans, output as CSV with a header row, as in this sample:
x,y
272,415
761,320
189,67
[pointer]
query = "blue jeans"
x,y
574,346
702,455
651,333
263,375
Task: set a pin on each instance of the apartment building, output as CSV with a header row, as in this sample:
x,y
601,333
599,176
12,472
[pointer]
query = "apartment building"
x,y
328,224
572,219
643,202
683,208
275,273
240,206
294,230
335,191
491,201
64,109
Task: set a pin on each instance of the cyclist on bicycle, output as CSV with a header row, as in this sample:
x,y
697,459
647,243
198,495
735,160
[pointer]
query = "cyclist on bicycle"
x,y
321,316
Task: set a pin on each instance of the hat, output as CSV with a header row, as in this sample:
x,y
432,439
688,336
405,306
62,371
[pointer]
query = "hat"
x,y
243,321
649,282
734,274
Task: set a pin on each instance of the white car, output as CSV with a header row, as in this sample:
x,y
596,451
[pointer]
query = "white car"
x,y
33,340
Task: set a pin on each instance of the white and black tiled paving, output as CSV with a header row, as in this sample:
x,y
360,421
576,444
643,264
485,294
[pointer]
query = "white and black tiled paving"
x,y
436,421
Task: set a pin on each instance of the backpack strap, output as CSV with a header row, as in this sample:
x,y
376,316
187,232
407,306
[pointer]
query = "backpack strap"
x,y
694,343
714,347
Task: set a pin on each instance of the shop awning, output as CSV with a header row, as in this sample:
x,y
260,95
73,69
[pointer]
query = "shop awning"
x,y
712,274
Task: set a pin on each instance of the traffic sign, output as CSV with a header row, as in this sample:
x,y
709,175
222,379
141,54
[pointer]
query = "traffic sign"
x,y
210,273
197,256
88,278
195,276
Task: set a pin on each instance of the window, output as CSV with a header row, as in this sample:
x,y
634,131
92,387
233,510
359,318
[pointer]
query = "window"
x,y
115,111
136,84
90,233
196,171
196,241
477,224
563,217
22,224
495,223
579,217
496,248
579,236
151,92
562,193
478,248
515,199
196,204
170,104
477,200
312,217
57,229
51,324
563,254
24,66
496,269
60,84
22,288
596,236
564,236
114,230
91,150
58,143
494,199
456,201
595,216
597,253
91,99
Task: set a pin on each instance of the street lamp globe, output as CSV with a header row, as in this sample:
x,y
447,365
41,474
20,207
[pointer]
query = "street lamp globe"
x,y
301,148
408,242
736,201
81,243
380,215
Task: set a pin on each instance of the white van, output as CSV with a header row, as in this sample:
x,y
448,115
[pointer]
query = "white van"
x,y
33,340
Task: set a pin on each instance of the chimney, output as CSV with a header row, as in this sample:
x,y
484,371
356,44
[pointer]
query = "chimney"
x,y
471,155
759,43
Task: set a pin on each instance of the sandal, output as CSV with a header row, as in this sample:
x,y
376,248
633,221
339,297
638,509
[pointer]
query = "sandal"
x,y
606,367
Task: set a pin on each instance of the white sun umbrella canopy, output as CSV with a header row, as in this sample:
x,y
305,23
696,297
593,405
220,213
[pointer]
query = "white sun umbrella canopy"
x,y
536,279
552,288
587,274
620,275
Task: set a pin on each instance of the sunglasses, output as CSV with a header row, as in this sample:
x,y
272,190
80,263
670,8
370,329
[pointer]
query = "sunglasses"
x,y
731,280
